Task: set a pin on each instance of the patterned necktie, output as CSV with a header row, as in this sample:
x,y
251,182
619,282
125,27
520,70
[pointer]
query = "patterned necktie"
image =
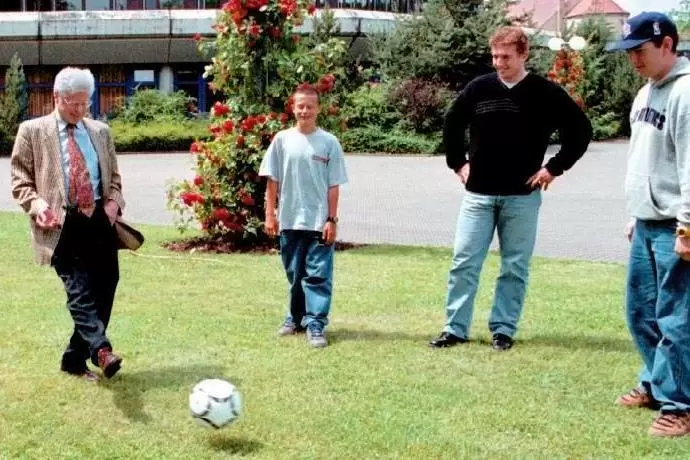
x,y
80,189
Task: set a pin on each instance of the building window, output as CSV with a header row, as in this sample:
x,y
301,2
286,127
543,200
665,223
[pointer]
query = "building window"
x,y
39,5
152,4
11,5
128,5
92,5
68,5
112,89
211,4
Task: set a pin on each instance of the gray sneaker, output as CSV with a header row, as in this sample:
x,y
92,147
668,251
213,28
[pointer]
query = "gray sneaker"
x,y
315,335
289,328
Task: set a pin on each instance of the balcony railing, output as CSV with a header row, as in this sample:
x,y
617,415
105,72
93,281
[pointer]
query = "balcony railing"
x,y
394,6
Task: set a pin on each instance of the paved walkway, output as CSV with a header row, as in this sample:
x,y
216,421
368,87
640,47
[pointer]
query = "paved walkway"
x,y
414,200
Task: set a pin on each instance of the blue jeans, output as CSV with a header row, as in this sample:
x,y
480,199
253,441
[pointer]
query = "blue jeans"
x,y
515,218
658,313
309,268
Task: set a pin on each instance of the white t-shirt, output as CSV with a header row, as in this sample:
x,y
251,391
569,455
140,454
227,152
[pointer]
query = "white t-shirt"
x,y
305,166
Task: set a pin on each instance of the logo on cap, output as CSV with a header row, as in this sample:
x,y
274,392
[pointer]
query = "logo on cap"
x,y
657,28
626,30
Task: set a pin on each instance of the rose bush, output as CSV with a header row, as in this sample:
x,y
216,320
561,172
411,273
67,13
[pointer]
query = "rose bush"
x,y
258,60
568,71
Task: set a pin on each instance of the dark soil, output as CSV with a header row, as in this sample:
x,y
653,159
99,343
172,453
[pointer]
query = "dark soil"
x,y
225,246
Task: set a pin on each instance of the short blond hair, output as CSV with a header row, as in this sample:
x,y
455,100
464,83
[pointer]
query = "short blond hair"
x,y
511,35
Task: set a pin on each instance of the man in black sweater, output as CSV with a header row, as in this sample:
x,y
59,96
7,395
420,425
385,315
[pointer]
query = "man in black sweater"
x,y
511,115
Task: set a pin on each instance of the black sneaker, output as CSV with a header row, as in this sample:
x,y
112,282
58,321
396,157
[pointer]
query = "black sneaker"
x,y
501,342
445,340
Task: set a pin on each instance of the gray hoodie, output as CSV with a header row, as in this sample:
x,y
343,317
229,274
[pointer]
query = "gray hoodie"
x,y
657,184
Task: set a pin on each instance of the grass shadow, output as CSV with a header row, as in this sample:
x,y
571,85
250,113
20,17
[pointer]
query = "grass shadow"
x,y
128,388
344,334
233,445
584,342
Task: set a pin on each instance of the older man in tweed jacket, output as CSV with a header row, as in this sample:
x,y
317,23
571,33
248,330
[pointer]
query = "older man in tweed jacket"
x,y
65,176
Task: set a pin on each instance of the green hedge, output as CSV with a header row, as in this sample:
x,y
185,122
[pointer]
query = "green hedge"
x,y
166,137
158,136
375,140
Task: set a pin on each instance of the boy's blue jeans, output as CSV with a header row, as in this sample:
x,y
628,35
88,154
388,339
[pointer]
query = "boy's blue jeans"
x,y
658,312
515,218
309,268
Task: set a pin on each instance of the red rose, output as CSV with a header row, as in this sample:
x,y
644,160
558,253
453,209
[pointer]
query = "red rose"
x,y
198,180
221,214
196,147
254,30
219,109
247,200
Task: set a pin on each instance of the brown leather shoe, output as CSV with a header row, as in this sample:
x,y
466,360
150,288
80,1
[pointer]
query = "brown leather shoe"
x,y
109,362
637,397
671,424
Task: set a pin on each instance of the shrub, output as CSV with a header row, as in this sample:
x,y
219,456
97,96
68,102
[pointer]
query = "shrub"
x,y
606,126
258,61
13,104
157,136
368,106
375,140
153,105
422,103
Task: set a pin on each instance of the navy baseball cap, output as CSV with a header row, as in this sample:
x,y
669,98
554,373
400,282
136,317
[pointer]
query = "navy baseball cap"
x,y
643,28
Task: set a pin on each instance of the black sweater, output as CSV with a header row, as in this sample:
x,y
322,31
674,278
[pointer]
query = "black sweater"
x,y
510,131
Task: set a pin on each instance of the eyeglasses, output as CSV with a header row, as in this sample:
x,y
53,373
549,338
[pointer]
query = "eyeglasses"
x,y
77,105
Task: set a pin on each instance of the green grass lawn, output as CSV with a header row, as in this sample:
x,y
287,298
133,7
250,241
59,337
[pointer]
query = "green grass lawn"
x,y
377,392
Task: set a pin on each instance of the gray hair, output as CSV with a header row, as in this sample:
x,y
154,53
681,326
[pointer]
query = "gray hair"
x,y
72,80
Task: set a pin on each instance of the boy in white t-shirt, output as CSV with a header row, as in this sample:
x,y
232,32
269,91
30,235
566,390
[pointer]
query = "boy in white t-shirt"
x,y
305,166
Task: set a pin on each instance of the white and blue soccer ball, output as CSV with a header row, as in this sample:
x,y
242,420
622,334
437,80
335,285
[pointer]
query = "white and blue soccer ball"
x,y
215,403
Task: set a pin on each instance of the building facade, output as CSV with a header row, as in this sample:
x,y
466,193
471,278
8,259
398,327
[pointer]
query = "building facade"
x,y
134,44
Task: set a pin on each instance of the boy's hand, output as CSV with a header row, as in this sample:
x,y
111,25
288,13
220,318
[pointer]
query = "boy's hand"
x,y
329,233
271,226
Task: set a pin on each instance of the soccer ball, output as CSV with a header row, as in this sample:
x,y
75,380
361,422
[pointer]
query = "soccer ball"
x,y
215,403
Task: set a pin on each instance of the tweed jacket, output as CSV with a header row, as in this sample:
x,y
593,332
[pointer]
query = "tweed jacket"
x,y
38,178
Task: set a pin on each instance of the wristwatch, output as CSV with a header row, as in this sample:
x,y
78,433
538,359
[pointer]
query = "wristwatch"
x,y
332,219
683,232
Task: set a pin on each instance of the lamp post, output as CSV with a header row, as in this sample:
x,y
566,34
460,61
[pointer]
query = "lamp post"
x,y
576,43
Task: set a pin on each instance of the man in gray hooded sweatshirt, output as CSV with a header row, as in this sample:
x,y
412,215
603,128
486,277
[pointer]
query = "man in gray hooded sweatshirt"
x,y
657,187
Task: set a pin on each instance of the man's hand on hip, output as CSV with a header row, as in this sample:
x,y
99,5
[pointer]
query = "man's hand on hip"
x,y
541,179
464,173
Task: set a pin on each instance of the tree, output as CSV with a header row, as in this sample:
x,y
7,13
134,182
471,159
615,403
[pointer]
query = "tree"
x,y
448,42
682,16
14,101
257,61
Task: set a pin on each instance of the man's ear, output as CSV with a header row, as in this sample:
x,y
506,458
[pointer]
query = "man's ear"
x,y
667,44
